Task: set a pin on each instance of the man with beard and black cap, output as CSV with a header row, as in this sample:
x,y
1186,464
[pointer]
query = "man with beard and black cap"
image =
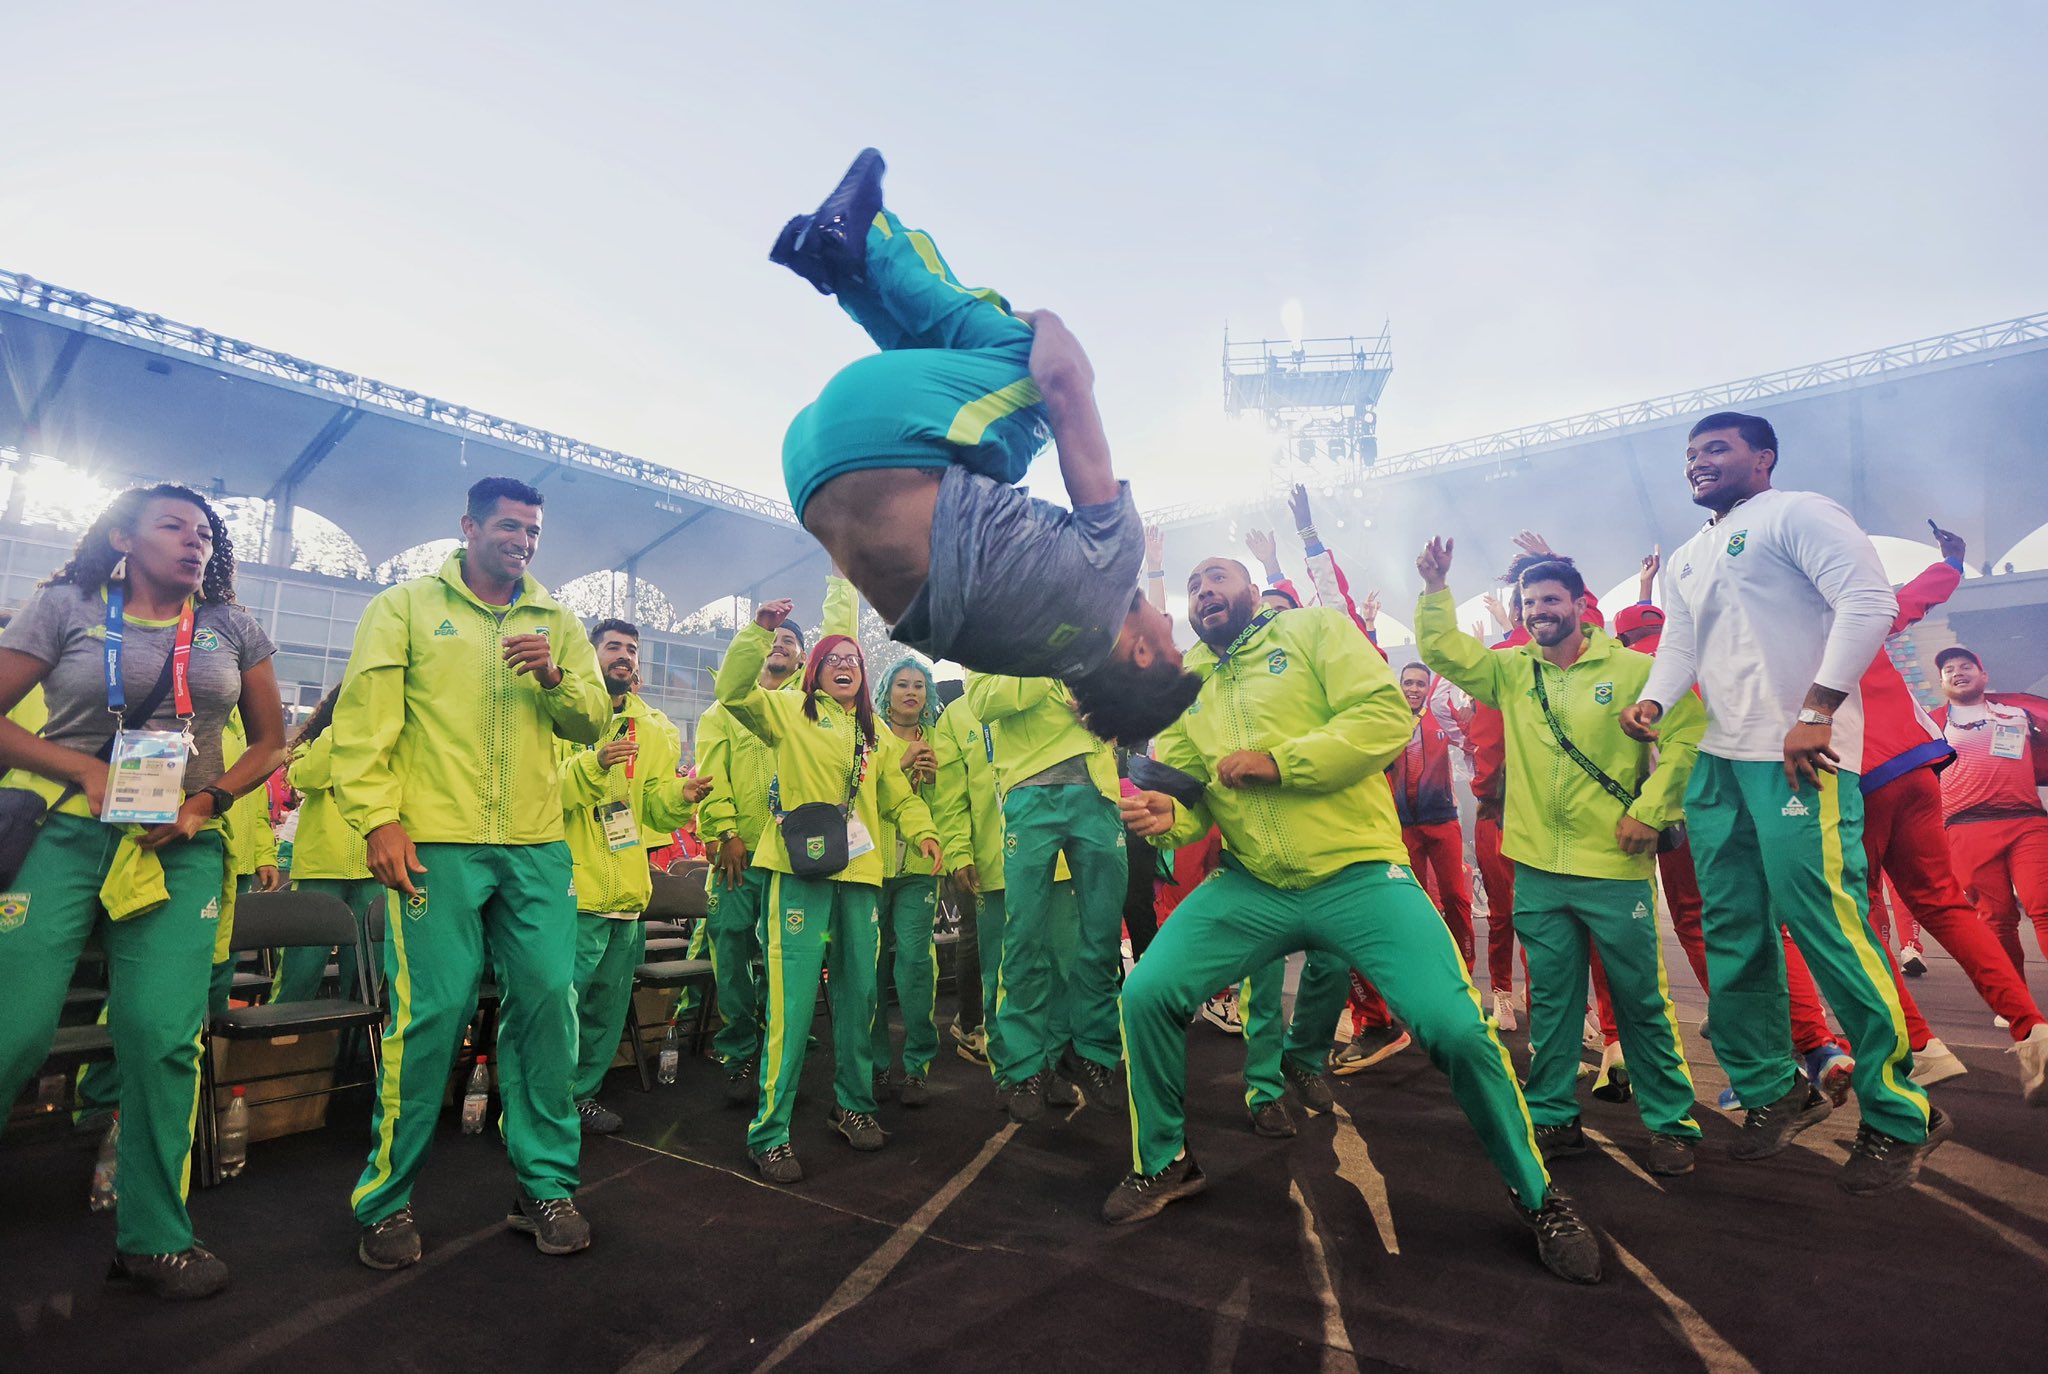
x,y
1290,736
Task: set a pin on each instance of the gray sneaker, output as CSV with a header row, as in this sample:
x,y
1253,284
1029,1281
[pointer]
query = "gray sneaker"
x,y
1672,1156
740,1089
392,1243
1146,1195
778,1164
1311,1089
1270,1119
1879,1163
1026,1101
554,1223
913,1091
1368,1048
861,1130
597,1118
192,1273
1769,1129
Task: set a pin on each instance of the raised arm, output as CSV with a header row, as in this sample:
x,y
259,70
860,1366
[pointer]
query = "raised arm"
x,y
738,685
1066,380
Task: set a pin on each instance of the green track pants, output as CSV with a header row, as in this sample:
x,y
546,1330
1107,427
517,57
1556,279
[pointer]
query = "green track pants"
x,y
1557,917
991,915
1768,856
521,896
1377,919
907,955
1039,824
299,971
1273,1039
157,965
812,924
732,927
608,951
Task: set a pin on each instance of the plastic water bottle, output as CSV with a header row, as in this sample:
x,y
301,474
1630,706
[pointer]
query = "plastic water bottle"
x,y
104,1190
476,1099
234,1136
671,1054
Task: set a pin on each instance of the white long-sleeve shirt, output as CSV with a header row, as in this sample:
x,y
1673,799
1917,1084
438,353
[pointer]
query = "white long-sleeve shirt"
x,y
1782,592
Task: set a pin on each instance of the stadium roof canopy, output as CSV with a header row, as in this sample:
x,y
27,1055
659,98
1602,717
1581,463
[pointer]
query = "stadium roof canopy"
x,y
1953,428
129,396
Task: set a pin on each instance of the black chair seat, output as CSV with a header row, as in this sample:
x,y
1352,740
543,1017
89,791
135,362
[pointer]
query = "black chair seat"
x,y
666,946
672,971
295,1018
84,997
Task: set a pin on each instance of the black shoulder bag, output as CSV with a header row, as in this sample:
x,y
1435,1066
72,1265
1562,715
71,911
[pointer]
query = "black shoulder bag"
x,y
814,834
22,811
1670,837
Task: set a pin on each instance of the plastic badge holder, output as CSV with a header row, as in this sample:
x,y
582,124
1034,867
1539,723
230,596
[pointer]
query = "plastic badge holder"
x,y
145,777
621,831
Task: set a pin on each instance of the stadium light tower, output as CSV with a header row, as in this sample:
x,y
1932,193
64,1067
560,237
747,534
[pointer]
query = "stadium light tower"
x,y
1323,394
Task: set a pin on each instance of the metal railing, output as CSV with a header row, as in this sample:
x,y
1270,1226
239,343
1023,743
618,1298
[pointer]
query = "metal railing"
x,y
1518,443
193,341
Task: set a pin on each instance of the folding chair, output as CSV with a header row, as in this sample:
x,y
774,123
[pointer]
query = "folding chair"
x,y
286,920
682,899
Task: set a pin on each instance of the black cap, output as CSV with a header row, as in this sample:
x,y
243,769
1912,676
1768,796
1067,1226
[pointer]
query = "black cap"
x,y
1957,651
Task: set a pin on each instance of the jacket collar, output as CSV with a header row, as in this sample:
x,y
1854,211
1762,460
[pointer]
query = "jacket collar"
x,y
531,593
1201,660
1599,645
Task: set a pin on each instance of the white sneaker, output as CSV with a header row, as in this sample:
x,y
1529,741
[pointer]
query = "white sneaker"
x,y
2001,1023
1936,1064
1592,1037
2033,1053
1504,1009
1221,1012
1912,960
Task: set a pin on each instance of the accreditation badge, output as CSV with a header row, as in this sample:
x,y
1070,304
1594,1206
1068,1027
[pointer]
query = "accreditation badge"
x,y
858,841
2008,740
146,777
621,831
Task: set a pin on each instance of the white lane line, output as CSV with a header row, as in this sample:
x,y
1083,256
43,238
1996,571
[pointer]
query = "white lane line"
x,y
664,1359
1619,1156
862,1282
1355,1167
1337,1351
1715,1353
1229,1328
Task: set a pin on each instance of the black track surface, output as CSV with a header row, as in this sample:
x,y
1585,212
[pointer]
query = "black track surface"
x,y
699,1266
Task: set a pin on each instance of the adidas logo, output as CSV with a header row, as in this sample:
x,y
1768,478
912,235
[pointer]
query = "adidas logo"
x,y
1795,807
447,628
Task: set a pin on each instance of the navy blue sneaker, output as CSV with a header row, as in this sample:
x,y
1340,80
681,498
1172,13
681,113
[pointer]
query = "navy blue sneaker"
x,y
796,248
840,228
1830,1069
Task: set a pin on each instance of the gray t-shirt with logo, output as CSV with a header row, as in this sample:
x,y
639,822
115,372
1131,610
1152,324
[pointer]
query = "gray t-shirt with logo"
x,y
66,628
1023,587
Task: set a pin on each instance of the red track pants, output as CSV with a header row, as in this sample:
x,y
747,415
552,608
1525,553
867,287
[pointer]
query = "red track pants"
x,y
2005,866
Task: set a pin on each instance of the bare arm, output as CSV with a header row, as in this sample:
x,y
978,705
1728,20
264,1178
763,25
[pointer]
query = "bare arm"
x,y
1066,380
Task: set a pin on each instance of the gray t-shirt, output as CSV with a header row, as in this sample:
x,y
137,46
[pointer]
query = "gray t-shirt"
x,y
1020,586
65,627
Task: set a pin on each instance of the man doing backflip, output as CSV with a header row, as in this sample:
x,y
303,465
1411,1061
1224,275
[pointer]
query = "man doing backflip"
x,y
904,466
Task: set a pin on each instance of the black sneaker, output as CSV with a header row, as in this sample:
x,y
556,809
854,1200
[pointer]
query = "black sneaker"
x,y
180,1277
392,1243
1560,1142
913,1091
884,1085
740,1090
1060,1090
1879,1163
1312,1089
796,248
1096,1081
1146,1195
1672,1156
554,1223
597,1118
1565,1244
861,1130
778,1164
1769,1129
838,233
1025,1101
1270,1119
1367,1048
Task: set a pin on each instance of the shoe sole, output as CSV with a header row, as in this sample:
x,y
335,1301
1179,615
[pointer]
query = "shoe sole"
x,y
1691,1163
1616,1089
383,1266
1836,1080
525,1226
1287,1133
1936,1071
1312,1108
1807,1119
1157,1203
1934,1141
1561,1151
1392,1048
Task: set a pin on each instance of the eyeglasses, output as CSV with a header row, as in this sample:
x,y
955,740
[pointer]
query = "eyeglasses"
x,y
840,660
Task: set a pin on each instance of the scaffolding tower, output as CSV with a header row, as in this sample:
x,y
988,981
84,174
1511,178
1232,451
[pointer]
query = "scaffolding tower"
x,y
1323,394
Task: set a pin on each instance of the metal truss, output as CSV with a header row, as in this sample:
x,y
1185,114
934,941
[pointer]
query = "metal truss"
x,y
1514,446
219,349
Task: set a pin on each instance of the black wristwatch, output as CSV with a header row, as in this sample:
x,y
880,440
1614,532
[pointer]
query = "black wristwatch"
x,y
223,800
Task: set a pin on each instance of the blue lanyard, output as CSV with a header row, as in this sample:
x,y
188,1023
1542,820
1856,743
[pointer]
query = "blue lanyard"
x,y
117,691
181,656
988,744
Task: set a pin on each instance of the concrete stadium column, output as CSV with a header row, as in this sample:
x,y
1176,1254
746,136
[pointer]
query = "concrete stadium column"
x,y
277,551
632,571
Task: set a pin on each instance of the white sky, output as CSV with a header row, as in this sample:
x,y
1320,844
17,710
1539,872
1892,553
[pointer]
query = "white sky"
x,y
561,214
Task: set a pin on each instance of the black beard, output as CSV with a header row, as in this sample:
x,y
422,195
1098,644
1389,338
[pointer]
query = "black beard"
x,y
1230,629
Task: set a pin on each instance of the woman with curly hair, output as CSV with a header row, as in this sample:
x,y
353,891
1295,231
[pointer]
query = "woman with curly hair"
x,y
908,701
156,570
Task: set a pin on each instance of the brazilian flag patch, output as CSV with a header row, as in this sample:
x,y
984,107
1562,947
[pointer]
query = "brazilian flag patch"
x,y
13,910
794,919
1603,692
416,905
814,847
1737,542
1276,662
